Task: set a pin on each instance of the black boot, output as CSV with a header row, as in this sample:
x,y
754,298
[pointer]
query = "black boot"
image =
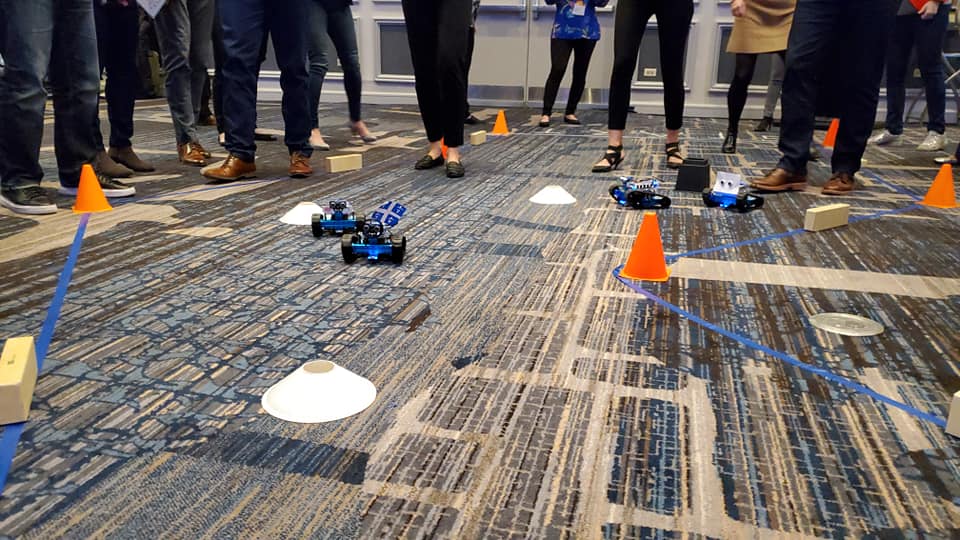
x,y
730,143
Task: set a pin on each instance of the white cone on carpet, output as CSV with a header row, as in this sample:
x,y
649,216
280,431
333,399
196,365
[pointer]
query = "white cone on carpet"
x,y
301,214
319,391
553,195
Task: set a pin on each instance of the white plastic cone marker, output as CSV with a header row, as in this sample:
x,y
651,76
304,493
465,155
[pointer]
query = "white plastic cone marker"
x,y
301,214
319,391
553,195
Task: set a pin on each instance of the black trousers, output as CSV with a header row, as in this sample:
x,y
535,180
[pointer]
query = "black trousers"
x,y
673,26
471,41
560,50
737,94
438,31
118,29
863,28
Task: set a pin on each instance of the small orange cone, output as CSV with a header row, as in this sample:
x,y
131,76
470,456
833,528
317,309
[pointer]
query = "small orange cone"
x,y
443,149
941,193
500,127
831,138
646,259
90,197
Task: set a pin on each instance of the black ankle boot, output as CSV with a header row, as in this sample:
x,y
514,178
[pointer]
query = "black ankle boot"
x,y
730,144
764,124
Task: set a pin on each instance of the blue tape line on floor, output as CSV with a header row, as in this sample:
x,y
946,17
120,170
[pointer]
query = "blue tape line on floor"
x,y
894,187
11,433
743,340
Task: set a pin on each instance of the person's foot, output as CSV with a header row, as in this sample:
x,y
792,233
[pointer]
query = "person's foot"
x,y
945,160
471,119
206,153
191,153
839,184
611,159
31,200
128,158
209,120
104,164
544,121
317,142
428,162
455,169
231,169
884,138
729,144
674,156
360,130
111,188
299,166
781,180
261,135
933,142
764,124
571,119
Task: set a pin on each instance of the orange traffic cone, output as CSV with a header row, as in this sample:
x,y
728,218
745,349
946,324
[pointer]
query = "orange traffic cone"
x,y
500,127
831,138
941,193
443,149
90,197
646,259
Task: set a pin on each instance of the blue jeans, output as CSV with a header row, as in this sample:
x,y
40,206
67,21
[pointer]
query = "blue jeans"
x,y
245,23
910,30
184,30
37,34
864,27
338,24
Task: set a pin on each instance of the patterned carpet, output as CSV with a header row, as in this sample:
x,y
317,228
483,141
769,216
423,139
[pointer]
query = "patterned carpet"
x,y
524,392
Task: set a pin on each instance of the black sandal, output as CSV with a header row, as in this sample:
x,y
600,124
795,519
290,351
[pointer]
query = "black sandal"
x,y
673,150
613,157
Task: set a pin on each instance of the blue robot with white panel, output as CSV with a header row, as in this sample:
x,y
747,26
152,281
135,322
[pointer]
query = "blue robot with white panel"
x,y
377,238
730,191
638,194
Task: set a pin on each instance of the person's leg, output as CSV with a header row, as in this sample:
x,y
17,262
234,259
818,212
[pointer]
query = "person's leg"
x,y
120,62
471,41
101,20
560,50
737,95
173,31
629,25
868,24
288,30
218,56
583,50
929,40
316,55
905,28
454,24
242,23
201,50
422,28
775,85
344,36
673,23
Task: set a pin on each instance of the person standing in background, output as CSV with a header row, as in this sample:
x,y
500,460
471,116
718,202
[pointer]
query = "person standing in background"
x,y
438,32
922,24
471,40
760,26
774,87
673,27
575,30
118,27
851,34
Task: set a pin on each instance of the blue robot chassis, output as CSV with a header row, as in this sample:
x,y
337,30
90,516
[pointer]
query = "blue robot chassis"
x,y
374,241
641,195
338,218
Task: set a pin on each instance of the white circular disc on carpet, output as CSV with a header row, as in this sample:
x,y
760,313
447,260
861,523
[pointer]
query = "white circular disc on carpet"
x,y
846,324
319,391
301,214
553,195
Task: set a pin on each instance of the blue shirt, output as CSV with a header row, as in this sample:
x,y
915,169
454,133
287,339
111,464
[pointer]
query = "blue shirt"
x,y
566,25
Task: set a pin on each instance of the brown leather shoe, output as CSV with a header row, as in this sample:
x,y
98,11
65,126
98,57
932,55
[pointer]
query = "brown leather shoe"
x,y
203,150
128,158
299,166
839,184
781,180
191,154
232,168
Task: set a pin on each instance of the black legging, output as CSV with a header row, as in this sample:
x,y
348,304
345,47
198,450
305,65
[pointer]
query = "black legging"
x,y
560,50
673,26
737,95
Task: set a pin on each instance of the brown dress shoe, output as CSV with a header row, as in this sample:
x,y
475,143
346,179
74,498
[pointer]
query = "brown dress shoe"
x,y
206,154
299,166
232,168
128,158
839,184
105,165
191,154
781,180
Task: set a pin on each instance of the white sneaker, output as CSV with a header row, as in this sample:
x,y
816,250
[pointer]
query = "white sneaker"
x,y
884,138
934,141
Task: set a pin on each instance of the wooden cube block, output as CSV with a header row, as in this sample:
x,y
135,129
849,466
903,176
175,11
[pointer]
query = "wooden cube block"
x,y
821,218
348,162
953,418
18,376
478,137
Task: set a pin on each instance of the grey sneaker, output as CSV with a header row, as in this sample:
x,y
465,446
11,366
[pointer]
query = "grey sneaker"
x,y
884,138
111,188
32,200
934,141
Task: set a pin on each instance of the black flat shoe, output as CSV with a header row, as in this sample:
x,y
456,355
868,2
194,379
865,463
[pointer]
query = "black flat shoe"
x,y
574,121
729,144
613,157
764,124
544,124
428,162
455,169
471,119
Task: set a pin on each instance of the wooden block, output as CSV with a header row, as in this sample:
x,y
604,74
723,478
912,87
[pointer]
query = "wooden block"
x,y
478,137
18,376
348,162
821,218
953,418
